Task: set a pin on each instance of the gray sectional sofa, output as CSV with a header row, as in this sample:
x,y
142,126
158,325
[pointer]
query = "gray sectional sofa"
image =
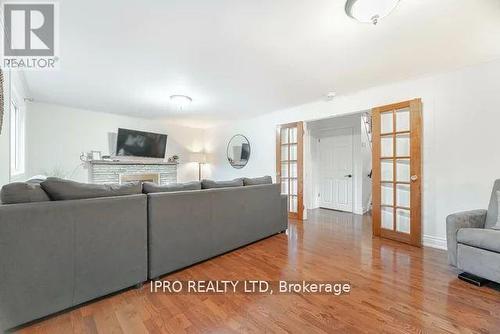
x,y
192,226
473,239
58,254
64,247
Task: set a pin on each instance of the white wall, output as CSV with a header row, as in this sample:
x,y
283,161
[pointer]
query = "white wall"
x,y
4,135
56,135
14,88
366,161
461,119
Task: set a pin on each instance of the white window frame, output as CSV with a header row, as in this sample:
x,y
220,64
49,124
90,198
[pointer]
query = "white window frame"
x,y
17,136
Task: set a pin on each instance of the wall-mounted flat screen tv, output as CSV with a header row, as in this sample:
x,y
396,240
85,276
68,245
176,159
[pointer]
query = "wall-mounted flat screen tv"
x,y
140,144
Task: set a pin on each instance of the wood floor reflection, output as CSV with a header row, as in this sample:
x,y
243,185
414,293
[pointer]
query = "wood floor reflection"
x,y
396,288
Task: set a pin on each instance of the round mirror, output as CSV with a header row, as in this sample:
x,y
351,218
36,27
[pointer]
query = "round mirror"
x,y
238,151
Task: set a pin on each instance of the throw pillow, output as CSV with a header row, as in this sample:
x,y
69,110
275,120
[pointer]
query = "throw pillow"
x,y
149,187
209,184
61,190
257,180
23,192
497,226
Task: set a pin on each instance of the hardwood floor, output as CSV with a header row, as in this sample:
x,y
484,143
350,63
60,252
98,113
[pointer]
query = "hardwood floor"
x,y
396,288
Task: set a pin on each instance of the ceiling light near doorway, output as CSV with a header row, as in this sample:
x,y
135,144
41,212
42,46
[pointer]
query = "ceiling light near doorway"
x,y
181,101
369,11
330,96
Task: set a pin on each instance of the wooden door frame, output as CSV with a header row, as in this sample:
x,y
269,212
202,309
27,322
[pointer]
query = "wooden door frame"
x,y
300,165
415,236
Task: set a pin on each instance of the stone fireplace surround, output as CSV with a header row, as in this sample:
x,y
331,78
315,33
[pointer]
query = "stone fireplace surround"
x,y
105,171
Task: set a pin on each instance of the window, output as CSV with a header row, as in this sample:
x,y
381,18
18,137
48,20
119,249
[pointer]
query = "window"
x,y
16,139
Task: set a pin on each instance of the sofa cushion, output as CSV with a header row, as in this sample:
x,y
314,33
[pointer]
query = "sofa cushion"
x,y
487,239
23,192
209,184
60,189
257,180
149,187
492,215
497,226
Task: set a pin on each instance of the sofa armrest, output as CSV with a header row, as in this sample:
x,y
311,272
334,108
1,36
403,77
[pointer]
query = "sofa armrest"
x,y
284,211
457,221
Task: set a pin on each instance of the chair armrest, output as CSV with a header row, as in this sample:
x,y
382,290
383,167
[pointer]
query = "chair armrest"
x,y
457,221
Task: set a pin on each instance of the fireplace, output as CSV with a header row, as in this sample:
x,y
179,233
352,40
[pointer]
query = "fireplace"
x,y
105,172
151,177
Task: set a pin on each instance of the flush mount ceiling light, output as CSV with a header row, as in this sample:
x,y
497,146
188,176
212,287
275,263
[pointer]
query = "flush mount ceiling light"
x,y
330,96
369,11
181,101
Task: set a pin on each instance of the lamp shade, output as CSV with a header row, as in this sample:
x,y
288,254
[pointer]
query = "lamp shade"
x,y
199,157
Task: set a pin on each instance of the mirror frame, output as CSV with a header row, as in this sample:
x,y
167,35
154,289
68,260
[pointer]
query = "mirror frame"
x,y
249,153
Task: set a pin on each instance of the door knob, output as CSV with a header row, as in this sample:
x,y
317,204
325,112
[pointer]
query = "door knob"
x,y
414,178
348,175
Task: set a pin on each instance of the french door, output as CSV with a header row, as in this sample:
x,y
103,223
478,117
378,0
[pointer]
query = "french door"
x,y
397,133
289,165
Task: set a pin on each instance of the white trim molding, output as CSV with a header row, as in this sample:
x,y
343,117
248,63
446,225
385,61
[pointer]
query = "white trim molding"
x,y
435,242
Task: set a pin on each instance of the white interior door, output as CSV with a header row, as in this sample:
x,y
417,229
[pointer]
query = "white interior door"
x,y
336,170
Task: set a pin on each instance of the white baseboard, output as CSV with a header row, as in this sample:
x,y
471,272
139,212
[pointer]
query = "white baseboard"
x,y
434,242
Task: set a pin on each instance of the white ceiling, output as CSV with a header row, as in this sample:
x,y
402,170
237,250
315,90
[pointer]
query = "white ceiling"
x,y
239,58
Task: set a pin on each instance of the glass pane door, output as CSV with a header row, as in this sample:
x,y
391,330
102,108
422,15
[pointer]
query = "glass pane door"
x,y
396,170
289,166
289,162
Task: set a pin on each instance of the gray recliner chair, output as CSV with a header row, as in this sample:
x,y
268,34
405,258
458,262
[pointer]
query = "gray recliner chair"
x,y
474,242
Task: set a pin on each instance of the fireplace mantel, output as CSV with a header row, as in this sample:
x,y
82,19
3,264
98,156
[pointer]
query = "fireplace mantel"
x,y
107,171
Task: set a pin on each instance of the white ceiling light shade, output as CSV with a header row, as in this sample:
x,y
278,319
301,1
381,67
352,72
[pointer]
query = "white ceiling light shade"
x,y
181,101
330,96
369,11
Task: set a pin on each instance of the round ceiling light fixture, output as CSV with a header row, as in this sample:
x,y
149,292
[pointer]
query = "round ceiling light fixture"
x,y
369,11
181,101
330,96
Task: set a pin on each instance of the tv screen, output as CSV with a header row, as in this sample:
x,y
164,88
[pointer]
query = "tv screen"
x,y
245,151
140,144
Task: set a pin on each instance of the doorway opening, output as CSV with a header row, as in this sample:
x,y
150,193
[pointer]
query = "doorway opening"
x,y
338,163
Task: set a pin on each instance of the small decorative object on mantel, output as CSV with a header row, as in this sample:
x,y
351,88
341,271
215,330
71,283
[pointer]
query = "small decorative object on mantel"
x,y
1,100
91,156
174,159
96,155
